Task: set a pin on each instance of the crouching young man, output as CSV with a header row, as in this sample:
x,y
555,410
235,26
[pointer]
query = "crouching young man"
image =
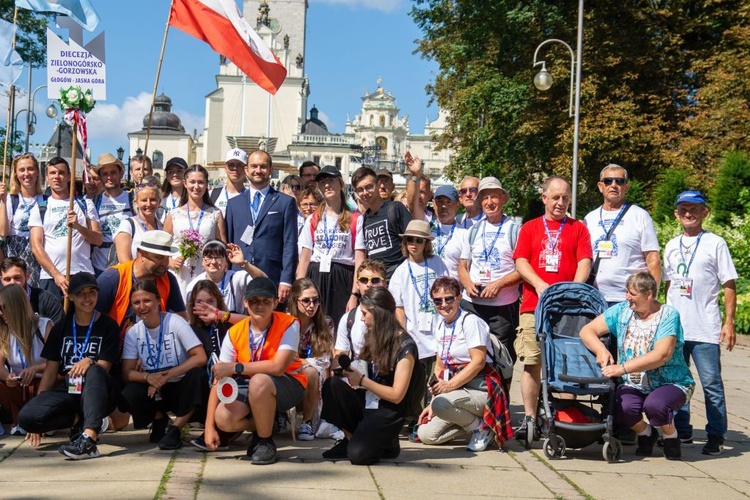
x,y
261,353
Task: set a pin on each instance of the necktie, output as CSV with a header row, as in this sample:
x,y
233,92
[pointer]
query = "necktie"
x,y
256,201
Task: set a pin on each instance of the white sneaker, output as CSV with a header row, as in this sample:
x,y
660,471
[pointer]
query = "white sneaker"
x,y
17,430
480,439
105,425
306,432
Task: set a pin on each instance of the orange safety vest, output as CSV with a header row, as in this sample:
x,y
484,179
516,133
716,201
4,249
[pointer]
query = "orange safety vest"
x,y
122,296
239,335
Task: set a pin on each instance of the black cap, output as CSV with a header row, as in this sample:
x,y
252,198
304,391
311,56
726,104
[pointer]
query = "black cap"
x,y
79,281
384,173
176,161
328,171
261,287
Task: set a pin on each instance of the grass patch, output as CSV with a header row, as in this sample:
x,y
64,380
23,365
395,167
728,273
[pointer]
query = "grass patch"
x,y
162,489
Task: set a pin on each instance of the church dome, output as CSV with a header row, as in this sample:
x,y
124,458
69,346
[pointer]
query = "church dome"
x,y
314,126
163,118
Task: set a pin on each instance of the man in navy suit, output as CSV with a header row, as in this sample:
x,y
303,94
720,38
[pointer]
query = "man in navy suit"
x,y
263,222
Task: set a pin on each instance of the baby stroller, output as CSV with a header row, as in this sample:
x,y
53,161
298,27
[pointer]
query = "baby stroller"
x,y
568,367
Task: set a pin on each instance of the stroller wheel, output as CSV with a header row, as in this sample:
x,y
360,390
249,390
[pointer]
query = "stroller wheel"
x,y
612,451
554,446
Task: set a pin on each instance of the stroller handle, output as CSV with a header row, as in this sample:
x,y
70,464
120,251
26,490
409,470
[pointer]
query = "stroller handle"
x,y
583,380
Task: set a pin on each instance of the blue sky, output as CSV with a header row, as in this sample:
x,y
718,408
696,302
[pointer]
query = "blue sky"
x,y
350,43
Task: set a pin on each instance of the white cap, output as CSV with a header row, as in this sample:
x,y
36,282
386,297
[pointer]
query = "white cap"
x,y
236,154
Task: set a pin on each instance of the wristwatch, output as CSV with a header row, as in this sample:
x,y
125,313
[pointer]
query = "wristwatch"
x,y
239,368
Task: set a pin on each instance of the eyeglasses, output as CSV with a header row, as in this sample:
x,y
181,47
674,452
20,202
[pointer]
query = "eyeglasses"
x,y
235,166
607,181
145,185
376,280
295,187
365,189
414,239
213,258
308,301
471,190
308,205
438,301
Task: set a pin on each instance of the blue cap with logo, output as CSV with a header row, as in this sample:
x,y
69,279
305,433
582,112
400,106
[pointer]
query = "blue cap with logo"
x,y
691,197
448,191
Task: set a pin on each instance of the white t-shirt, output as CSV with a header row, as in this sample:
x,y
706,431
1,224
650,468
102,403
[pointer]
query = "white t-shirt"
x,y
414,297
455,339
233,290
134,227
19,222
468,222
491,258
448,244
223,200
56,235
289,342
169,203
142,343
634,235
111,211
16,360
711,267
359,330
331,240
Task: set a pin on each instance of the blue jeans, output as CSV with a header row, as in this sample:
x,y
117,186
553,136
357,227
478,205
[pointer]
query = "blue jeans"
x,y
707,359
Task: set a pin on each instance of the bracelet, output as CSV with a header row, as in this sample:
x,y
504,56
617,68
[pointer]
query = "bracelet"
x,y
226,317
625,370
416,179
357,294
361,379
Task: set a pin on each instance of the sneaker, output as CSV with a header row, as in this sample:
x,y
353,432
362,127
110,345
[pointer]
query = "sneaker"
x,y
414,436
305,432
672,448
17,430
105,425
522,429
200,443
338,451
265,452
172,439
158,429
75,432
394,451
714,445
480,439
646,443
254,441
83,448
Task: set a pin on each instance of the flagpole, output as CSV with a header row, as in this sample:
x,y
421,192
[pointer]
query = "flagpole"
x,y
72,195
156,80
11,99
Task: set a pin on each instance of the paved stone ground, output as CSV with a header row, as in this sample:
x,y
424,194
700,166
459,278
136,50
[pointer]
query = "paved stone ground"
x,y
132,468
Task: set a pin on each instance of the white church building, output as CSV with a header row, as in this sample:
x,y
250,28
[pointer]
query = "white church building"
x,y
240,114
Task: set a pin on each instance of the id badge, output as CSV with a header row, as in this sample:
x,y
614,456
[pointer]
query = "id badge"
x,y
75,384
604,249
157,396
247,236
372,402
424,321
485,273
552,262
686,287
325,263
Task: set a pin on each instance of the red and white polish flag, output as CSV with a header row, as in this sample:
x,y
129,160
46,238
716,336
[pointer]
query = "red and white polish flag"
x,y
220,24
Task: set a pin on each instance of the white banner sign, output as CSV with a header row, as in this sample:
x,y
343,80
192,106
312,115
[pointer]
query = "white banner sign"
x,y
72,64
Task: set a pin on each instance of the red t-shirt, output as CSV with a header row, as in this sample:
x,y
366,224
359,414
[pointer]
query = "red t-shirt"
x,y
534,245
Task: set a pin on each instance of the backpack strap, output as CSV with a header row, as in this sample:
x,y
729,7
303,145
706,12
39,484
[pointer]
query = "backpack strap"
x,y
132,227
215,193
472,238
14,201
349,325
42,207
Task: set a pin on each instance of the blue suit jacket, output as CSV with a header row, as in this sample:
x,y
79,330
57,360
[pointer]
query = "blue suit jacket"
x,y
274,247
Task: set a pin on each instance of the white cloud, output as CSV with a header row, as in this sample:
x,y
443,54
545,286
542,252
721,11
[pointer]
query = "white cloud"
x,y
381,5
325,119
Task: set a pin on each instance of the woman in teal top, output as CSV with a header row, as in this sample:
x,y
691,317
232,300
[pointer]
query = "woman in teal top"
x,y
655,378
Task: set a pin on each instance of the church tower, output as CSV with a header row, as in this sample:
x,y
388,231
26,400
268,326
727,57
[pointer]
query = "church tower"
x,y
241,114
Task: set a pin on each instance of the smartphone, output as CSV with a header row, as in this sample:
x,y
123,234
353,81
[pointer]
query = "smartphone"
x,y
480,288
338,371
433,380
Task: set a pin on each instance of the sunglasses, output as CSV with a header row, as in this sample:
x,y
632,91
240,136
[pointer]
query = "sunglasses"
x,y
607,181
295,187
375,280
447,301
414,239
144,185
307,301
471,190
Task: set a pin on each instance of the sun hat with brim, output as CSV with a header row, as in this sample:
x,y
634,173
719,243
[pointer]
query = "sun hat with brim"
x,y
108,159
418,229
491,183
261,287
328,171
158,242
79,281
691,197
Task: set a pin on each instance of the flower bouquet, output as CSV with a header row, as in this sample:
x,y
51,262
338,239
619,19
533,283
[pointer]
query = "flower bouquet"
x,y
190,244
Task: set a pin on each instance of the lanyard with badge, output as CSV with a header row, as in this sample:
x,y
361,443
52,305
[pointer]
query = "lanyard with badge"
x,y
685,284
550,257
24,226
485,270
424,316
200,217
254,203
445,353
439,231
605,248
154,362
326,258
372,401
75,382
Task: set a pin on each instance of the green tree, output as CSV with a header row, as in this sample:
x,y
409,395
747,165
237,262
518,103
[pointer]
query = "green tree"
x,y
671,183
727,192
31,36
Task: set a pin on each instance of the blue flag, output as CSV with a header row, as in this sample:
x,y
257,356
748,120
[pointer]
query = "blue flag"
x,y
10,62
79,10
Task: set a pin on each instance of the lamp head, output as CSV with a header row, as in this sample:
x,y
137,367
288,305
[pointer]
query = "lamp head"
x,y
51,111
543,80
120,153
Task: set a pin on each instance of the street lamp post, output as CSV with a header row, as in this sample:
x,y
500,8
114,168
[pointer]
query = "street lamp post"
x,y
543,81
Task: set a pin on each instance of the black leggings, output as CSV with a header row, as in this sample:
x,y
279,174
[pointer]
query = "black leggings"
x,y
373,431
56,408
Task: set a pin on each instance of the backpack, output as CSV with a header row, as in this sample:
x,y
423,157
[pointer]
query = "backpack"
x,y
499,354
15,200
514,228
78,199
98,202
314,219
215,193
112,259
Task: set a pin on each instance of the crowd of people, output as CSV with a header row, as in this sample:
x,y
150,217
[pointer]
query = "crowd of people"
x,y
246,308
